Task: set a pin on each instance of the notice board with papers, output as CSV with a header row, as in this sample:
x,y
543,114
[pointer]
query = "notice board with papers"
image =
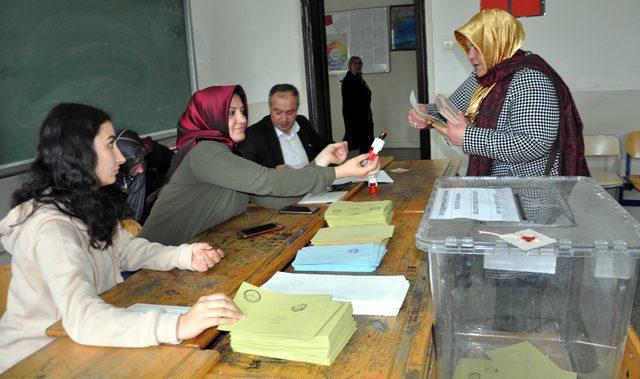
x,y
361,32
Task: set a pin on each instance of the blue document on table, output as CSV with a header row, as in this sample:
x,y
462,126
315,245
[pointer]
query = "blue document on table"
x,y
340,258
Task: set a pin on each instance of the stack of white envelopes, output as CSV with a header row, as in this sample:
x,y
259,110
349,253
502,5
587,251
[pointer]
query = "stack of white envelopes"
x,y
340,258
369,295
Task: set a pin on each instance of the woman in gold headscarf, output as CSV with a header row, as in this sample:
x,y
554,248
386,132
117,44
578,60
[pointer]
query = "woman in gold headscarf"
x,y
519,117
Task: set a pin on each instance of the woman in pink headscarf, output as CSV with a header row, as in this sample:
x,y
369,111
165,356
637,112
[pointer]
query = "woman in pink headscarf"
x,y
210,182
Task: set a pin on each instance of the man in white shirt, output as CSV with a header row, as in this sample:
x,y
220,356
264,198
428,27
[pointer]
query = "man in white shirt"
x,y
282,139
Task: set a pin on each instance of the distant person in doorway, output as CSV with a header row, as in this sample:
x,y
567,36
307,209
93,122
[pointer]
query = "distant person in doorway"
x,y
356,108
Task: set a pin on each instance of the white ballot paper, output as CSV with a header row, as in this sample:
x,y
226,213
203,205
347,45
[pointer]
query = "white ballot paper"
x,y
325,197
381,177
482,204
142,307
379,295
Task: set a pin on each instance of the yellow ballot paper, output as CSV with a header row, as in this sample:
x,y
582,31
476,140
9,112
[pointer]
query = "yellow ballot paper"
x,y
359,213
281,315
521,360
307,328
353,234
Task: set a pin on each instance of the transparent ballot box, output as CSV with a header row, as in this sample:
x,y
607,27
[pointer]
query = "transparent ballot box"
x,y
530,277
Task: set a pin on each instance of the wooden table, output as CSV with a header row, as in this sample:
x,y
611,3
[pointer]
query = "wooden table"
x,y
63,358
382,346
411,189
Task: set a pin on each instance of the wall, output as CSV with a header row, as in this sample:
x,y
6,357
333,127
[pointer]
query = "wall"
x,y
596,52
391,90
252,43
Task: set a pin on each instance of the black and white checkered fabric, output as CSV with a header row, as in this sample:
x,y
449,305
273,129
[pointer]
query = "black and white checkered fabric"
x,y
527,125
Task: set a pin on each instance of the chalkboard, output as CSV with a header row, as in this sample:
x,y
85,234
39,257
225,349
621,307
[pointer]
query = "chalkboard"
x,y
128,57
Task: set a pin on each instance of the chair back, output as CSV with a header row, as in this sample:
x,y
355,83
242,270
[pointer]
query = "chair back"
x,y
601,145
132,226
603,153
633,144
5,278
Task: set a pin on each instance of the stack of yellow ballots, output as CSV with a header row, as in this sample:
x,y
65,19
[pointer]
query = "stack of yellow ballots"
x,y
347,213
306,328
356,222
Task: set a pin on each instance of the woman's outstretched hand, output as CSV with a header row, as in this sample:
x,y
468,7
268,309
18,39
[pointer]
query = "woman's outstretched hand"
x,y
203,256
207,312
359,167
334,153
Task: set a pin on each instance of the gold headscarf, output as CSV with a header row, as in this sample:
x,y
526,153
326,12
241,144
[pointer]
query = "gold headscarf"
x,y
496,35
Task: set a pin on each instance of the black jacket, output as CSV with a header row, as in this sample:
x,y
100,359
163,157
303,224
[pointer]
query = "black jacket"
x,y
356,110
262,146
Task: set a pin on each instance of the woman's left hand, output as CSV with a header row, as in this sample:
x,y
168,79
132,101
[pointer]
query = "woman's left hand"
x,y
454,132
334,153
203,256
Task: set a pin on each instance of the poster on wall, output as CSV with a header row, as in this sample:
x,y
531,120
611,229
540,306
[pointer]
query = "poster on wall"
x,y
337,51
403,28
518,8
361,32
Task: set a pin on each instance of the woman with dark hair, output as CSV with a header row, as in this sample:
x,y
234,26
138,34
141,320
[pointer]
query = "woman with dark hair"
x,y
210,182
356,108
67,248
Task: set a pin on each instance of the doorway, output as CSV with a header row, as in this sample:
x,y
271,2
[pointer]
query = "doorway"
x,y
317,72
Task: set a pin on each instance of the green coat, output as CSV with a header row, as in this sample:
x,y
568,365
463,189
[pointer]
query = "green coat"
x,y
213,185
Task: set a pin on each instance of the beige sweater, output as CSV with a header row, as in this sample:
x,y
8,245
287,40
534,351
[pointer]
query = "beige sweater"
x,y
57,275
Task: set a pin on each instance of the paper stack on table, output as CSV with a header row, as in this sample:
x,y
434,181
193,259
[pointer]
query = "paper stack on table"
x,y
381,177
341,258
309,328
341,235
369,295
344,213
522,360
321,198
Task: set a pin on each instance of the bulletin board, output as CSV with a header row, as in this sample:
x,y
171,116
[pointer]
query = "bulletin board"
x,y
361,32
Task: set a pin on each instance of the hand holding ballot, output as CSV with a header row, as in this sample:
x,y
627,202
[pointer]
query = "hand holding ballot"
x,y
207,312
419,118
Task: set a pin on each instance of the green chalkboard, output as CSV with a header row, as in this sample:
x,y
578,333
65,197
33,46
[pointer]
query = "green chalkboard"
x,y
128,57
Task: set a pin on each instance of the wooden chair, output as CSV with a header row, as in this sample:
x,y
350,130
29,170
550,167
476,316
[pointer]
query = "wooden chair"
x,y
607,147
631,181
631,360
5,278
132,226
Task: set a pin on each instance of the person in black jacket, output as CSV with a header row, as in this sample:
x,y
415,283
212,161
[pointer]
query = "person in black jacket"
x,y
282,139
143,172
356,108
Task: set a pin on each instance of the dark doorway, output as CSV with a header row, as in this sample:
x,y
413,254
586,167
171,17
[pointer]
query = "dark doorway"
x,y
317,72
